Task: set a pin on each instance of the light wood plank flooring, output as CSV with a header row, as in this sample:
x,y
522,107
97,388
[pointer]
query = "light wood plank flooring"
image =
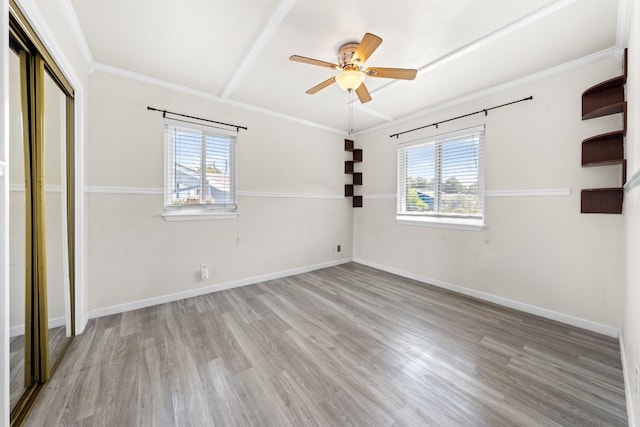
x,y
342,346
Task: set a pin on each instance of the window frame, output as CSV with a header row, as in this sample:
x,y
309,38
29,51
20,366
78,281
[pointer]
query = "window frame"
x,y
199,211
439,219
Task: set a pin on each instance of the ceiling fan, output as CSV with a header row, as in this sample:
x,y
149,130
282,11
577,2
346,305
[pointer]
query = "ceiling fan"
x,y
351,58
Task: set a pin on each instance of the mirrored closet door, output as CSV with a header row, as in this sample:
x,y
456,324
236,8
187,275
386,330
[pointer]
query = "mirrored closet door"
x,y
41,220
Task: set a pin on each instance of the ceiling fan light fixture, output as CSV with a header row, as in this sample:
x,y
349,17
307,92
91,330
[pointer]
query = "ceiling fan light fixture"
x,y
350,79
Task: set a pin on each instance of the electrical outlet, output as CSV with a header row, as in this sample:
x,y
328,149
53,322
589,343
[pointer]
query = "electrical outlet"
x,y
637,381
204,272
339,248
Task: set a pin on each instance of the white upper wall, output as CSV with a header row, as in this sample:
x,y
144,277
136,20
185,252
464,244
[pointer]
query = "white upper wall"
x,y
537,251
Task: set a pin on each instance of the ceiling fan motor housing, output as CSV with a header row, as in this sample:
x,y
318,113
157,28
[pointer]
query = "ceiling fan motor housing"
x,y
345,55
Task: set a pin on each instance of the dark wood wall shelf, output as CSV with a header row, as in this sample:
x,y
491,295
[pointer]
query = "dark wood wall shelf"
x,y
348,166
607,149
605,98
348,190
356,157
348,145
602,200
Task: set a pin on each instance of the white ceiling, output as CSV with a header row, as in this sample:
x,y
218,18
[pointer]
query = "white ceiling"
x,y
238,49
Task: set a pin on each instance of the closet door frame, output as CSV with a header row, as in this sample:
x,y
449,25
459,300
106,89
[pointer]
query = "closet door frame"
x,y
35,61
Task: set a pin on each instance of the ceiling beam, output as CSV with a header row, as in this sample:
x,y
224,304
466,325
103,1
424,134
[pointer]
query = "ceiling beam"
x,y
268,31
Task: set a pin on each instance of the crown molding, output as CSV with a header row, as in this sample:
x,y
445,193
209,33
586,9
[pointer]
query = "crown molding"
x,y
74,25
623,26
594,57
46,35
576,63
285,6
120,72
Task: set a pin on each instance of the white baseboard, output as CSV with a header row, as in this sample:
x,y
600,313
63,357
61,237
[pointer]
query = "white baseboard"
x,y
628,389
18,330
121,308
538,311
531,309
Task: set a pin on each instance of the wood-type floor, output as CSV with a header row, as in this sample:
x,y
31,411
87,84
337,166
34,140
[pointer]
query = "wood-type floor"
x,y
342,346
57,340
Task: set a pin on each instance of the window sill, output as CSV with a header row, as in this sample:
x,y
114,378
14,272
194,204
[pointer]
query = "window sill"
x,y
440,222
196,215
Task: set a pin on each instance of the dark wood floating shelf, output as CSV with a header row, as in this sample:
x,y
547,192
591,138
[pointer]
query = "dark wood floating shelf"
x,y
356,177
605,149
604,110
348,166
348,145
357,155
602,200
348,190
622,162
605,98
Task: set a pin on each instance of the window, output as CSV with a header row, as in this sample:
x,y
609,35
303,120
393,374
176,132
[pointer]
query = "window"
x,y
440,179
199,170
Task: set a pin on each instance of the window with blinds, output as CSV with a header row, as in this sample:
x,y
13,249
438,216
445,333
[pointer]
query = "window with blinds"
x,y
442,176
199,167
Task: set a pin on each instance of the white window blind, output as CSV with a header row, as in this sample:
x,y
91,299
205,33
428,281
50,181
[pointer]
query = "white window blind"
x,y
442,176
199,167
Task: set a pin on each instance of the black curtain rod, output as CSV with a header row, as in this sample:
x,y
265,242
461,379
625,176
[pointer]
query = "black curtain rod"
x,y
165,112
485,111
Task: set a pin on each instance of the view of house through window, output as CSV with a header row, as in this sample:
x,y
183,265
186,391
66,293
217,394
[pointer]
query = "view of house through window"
x,y
442,176
200,167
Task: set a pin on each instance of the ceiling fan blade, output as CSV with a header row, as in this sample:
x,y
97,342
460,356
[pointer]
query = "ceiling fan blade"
x,y
363,94
319,87
367,46
305,60
392,73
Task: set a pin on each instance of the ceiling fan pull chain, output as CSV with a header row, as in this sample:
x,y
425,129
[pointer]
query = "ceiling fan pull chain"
x,y
350,112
